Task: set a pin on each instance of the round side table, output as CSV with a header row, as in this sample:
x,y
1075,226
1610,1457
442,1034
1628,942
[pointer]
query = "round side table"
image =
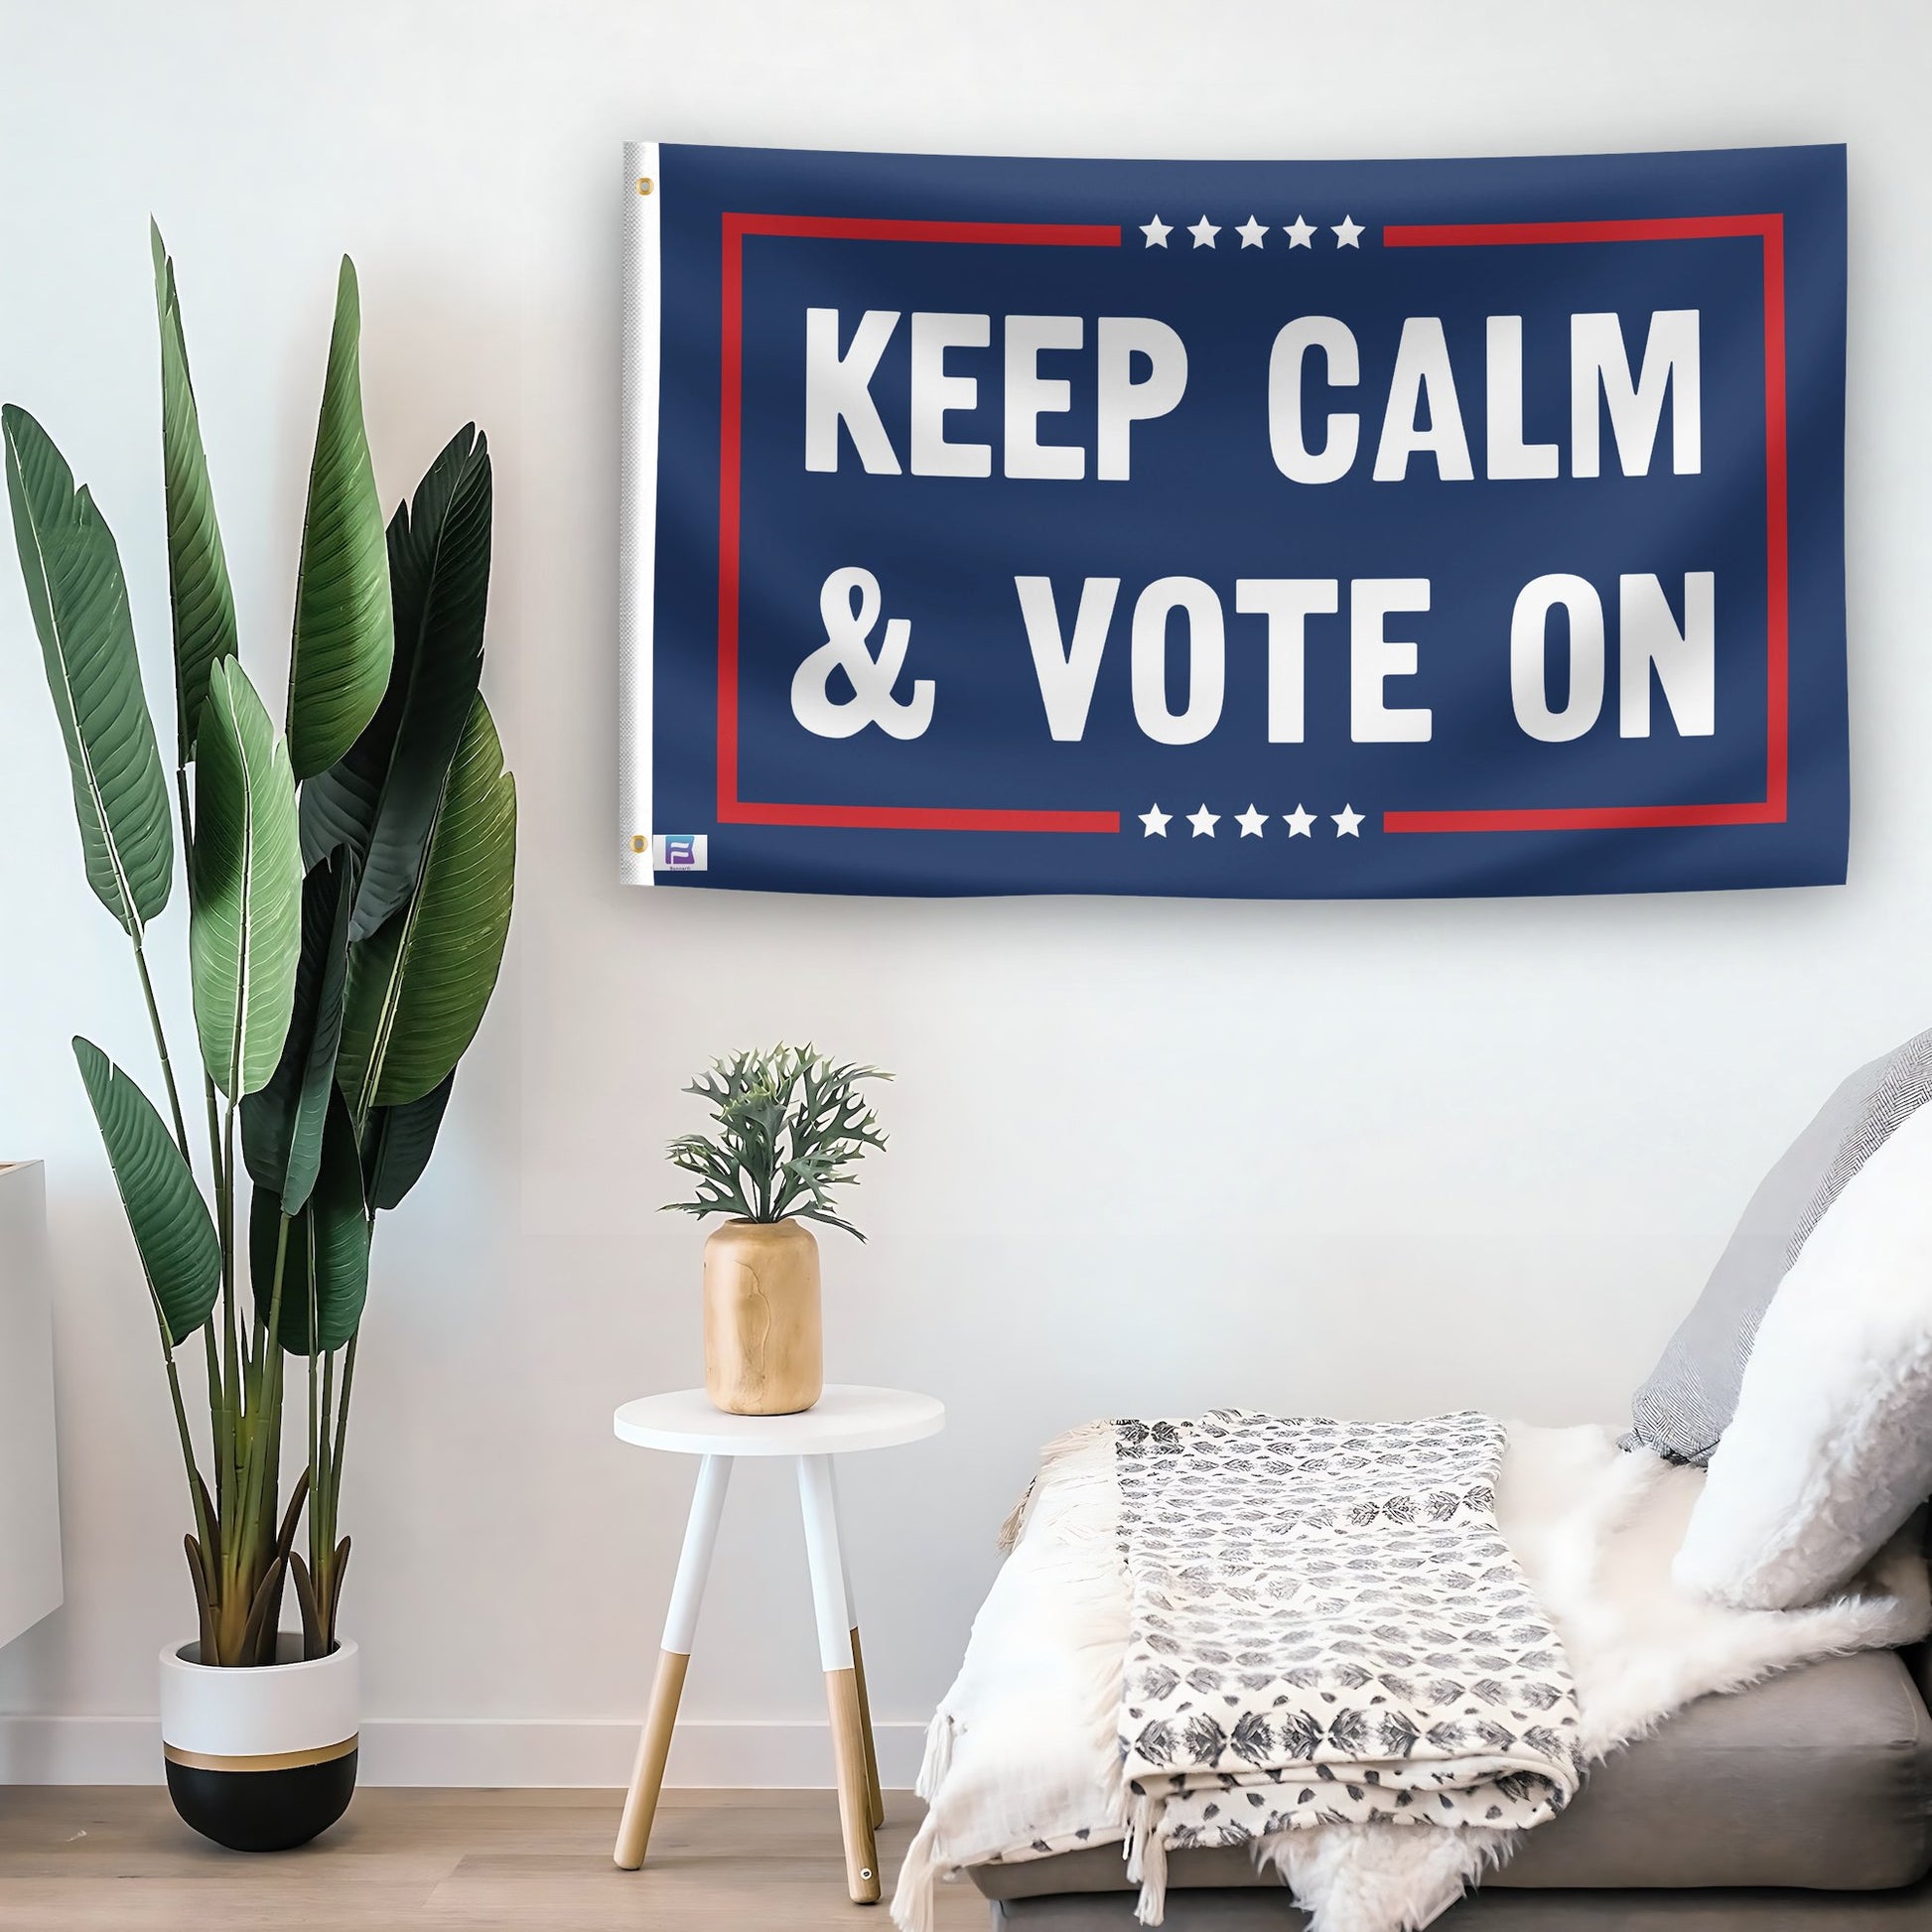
x,y
844,1420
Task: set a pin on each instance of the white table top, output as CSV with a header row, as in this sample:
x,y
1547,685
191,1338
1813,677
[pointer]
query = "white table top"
x,y
845,1418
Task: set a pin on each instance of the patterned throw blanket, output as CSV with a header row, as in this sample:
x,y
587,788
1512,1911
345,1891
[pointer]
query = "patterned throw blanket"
x,y
1327,1626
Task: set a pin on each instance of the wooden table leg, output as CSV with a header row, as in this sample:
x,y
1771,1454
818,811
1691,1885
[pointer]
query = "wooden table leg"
x,y
680,1626
876,1796
820,1511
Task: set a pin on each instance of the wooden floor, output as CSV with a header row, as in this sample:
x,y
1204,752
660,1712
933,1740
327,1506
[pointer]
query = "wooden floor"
x,y
116,1859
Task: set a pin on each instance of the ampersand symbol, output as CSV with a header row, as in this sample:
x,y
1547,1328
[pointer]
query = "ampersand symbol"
x,y
848,607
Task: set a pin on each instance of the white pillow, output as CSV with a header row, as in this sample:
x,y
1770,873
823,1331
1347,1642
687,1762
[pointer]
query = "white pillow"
x,y
1830,1451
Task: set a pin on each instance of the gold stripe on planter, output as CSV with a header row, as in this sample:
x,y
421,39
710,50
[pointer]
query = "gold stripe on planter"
x,y
267,1761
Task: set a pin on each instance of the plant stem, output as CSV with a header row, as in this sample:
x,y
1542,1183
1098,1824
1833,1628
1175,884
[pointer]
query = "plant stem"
x,y
267,1413
186,814
234,1414
161,1047
317,1431
324,1527
219,1433
322,1521
190,1468
231,1347
219,1396
247,1559
202,1525
342,1406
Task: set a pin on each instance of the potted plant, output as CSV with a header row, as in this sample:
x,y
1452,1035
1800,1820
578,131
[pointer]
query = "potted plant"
x,y
789,1126
348,896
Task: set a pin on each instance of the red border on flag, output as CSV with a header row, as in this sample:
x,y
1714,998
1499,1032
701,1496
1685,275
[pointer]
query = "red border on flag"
x,y
732,809
1770,809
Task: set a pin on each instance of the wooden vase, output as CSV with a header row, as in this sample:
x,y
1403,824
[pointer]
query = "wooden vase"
x,y
764,1344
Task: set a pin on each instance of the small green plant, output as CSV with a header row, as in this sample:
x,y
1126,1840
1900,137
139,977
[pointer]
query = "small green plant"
x,y
790,1127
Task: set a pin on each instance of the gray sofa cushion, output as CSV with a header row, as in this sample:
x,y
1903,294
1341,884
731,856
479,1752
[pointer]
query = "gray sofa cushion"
x,y
1692,1393
1821,1778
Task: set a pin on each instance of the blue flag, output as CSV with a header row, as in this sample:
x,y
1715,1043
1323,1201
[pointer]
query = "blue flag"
x,y
1248,529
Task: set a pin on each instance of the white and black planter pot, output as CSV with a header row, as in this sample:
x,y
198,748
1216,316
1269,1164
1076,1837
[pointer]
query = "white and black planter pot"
x,y
261,1759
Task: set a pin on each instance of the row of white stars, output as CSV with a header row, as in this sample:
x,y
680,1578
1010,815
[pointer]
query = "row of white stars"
x,y
1300,822
1300,233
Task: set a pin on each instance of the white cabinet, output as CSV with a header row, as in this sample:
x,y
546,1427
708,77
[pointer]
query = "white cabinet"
x,y
30,1512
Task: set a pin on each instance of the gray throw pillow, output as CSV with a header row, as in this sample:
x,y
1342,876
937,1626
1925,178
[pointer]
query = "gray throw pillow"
x,y
1684,1407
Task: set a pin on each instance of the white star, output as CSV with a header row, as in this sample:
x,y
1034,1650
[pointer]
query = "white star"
x,y
1156,232
1156,823
1299,824
1251,233
1204,232
1348,823
1204,822
1251,822
1301,234
1348,233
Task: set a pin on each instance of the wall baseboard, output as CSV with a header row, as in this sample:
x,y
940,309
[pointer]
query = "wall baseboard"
x,y
480,1753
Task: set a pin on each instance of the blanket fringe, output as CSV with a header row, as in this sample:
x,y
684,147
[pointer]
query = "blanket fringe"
x,y
1014,1522
1147,1859
1055,1452
938,1756
913,1900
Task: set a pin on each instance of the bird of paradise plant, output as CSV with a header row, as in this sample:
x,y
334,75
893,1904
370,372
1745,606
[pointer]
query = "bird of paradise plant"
x,y
350,882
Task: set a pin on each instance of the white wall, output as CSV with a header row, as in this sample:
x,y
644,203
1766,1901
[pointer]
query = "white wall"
x,y
1371,1159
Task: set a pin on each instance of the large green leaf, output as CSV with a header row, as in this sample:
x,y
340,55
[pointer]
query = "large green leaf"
x,y
79,598
173,1233
326,1264
344,631
281,1126
244,934
197,569
417,990
380,798
398,1143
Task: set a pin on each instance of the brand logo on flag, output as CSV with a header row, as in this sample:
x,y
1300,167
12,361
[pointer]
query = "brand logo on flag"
x,y
680,852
